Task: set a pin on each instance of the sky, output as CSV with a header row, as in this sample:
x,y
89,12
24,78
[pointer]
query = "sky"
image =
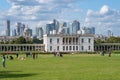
x,y
104,15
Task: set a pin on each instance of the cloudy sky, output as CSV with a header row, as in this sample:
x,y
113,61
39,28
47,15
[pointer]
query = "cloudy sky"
x,y
102,14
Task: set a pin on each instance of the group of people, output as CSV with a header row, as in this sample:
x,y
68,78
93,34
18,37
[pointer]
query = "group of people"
x,y
58,54
102,53
34,55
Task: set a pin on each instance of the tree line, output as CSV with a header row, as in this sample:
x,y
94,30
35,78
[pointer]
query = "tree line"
x,y
22,40
112,39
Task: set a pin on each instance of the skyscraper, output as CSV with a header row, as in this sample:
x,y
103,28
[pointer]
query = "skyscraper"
x,y
48,28
65,28
110,33
14,32
75,27
18,25
88,30
27,32
92,30
64,24
55,25
39,32
8,28
22,27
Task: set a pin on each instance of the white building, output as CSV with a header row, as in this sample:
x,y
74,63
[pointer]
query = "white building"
x,y
68,43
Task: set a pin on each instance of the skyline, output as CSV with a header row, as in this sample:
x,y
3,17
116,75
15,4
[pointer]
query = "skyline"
x,y
102,14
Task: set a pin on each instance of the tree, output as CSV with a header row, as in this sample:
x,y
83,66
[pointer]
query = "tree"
x,y
2,42
113,40
20,40
35,40
97,41
12,42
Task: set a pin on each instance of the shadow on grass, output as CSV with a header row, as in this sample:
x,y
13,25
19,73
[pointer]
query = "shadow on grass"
x,y
14,74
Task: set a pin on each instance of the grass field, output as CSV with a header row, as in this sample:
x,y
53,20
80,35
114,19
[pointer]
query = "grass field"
x,y
69,67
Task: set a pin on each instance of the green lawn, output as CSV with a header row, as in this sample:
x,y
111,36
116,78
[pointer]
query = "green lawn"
x,y
70,67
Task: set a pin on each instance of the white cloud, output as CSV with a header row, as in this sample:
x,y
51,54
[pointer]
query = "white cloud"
x,y
103,19
34,9
34,12
104,10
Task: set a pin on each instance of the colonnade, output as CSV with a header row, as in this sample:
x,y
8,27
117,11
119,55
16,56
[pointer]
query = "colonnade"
x,y
107,46
21,47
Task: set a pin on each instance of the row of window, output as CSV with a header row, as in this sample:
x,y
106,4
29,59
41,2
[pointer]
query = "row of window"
x,y
70,48
82,40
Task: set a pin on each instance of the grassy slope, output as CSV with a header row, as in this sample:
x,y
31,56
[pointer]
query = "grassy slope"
x,y
70,67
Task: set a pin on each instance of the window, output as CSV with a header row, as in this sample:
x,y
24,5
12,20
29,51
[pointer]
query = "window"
x,y
63,47
50,40
73,47
58,48
76,40
89,47
82,47
58,40
76,47
63,40
89,40
73,40
82,40
50,48
70,48
69,40
66,41
66,47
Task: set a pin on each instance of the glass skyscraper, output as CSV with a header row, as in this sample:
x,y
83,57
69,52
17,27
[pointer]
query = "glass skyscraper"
x,y
75,27
48,28
8,28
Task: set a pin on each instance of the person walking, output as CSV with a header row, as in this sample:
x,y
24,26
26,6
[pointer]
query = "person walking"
x,y
109,53
3,61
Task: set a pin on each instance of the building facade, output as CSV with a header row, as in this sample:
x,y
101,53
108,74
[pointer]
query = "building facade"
x,y
69,43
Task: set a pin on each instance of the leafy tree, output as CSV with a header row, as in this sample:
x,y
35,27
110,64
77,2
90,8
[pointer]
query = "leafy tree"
x,y
35,40
7,42
2,42
97,41
12,42
20,40
113,40
29,42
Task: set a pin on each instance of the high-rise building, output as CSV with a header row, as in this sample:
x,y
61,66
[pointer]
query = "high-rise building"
x,y
75,27
18,25
27,32
87,30
48,28
22,27
55,25
92,30
14,32
39,32
64,24
65,29
110,33
8,28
